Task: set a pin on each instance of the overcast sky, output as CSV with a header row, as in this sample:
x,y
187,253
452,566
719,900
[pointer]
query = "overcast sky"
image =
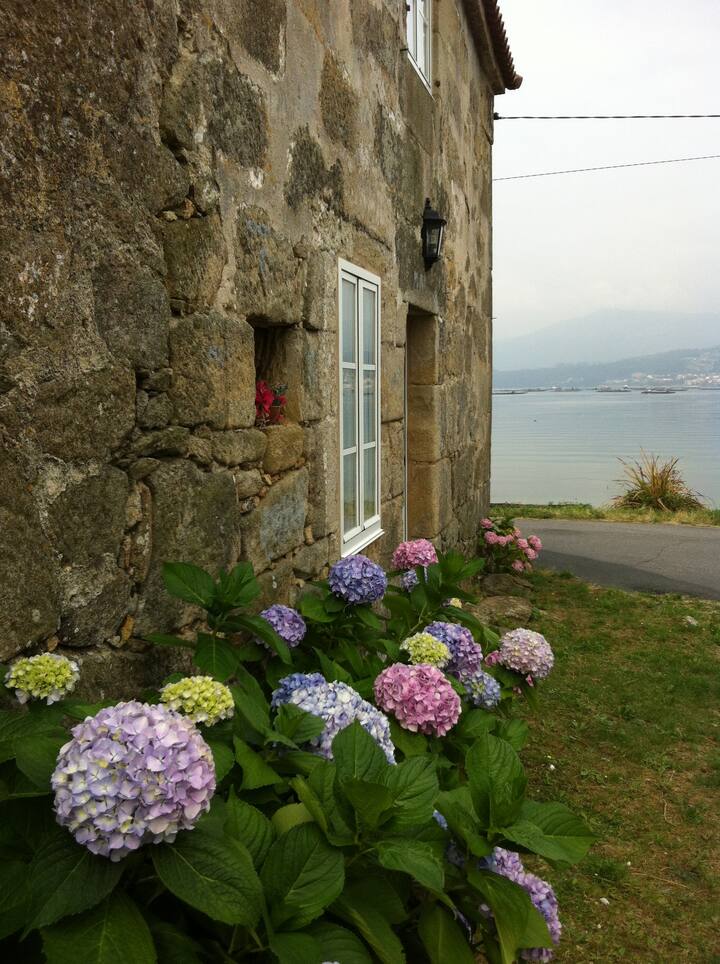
x,y
644,238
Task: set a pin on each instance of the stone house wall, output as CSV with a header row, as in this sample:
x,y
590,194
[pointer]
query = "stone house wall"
x,y
178,179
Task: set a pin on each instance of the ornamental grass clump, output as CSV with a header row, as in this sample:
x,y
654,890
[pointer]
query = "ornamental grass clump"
x,y
655,484
201,698
47,677
419,697
132,774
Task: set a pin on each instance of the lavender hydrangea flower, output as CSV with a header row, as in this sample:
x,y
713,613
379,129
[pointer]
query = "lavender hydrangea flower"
x,y
201,698
357,580
527,653
420,697
338,705
132,774
483,689
465,654
47,676
509,865
287,623
409,579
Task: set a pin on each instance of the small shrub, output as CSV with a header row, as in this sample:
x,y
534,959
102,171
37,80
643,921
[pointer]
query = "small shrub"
x,y
655,484
503,547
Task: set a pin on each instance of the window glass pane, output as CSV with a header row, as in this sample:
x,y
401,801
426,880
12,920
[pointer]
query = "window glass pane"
x,y
347,315
420,56
368,301
370,482
424,60
350,505
349,421
411,15
369,395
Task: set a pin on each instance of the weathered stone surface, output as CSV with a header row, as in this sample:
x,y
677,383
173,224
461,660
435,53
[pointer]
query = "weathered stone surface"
x,y
157,411
168,441
91,617
248,483
236,448
309,560
338,103
195,253
277,525
496,609
109,674
503,584
321,450
87,519
194,519
276,585
393,460
213,371
284,447
424,427
310,177
87,416
270,276
262,31
392,397
29,593
431,509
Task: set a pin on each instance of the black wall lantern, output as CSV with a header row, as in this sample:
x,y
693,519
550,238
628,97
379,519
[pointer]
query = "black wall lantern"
x,y
433,234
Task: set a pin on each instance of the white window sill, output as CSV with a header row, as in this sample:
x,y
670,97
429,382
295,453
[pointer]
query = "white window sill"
x,y
425,82
361,542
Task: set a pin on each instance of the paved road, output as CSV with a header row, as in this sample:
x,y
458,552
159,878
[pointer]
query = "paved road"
x,y
649,558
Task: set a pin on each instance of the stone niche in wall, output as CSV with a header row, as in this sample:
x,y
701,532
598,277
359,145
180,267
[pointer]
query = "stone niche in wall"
x,y
278,363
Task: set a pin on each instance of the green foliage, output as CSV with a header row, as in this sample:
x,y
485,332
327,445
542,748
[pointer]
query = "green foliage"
x,y
651,483
300,859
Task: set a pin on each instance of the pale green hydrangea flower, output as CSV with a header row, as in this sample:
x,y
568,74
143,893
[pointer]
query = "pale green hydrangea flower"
x,y
457,603
425,648
47,676
201,698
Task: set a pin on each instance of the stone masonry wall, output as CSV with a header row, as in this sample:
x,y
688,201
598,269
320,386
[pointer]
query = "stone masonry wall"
x,y
177,181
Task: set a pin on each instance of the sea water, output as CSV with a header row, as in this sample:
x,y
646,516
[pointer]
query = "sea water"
x,y
565,446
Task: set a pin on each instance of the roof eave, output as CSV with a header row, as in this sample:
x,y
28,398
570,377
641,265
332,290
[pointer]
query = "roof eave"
x,y
488,32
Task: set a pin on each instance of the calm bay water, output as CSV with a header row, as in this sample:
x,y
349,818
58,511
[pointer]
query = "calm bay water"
x,y
564,446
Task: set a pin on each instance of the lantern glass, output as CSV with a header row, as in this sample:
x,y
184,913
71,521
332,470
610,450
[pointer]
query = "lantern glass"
x,y
433,231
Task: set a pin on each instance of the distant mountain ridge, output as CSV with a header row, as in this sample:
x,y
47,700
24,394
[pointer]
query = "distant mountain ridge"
x,y
606,336
685,361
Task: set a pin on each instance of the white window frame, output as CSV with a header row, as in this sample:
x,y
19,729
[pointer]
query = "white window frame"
x,y
416,21
370,529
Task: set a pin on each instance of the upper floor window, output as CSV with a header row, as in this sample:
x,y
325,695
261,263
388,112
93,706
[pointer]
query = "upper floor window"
x,y
359,406
418,35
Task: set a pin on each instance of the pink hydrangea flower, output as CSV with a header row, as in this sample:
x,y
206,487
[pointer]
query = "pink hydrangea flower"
x,y
535,543
491,538
492,658
530,554
416,552
486,523
523,544
420,698
518,566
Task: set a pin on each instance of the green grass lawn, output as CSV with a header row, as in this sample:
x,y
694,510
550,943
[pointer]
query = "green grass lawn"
x,y
630,722
581,510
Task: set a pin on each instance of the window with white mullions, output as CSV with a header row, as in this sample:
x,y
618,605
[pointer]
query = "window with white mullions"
x,y
419,35
359,406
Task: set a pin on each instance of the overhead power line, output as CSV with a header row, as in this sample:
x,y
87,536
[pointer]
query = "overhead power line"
x,y
604,116
609,167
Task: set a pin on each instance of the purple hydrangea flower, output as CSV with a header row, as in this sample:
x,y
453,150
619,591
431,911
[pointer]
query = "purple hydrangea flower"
x,y
409,579
483,689
338,705
465,654
420,697
287,623
357,580
416,552
527,653
509,865
132,774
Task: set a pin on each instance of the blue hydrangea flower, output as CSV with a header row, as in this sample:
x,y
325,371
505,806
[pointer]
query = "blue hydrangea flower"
x,y
338,705
287,623
357,580
465,654
508,864
409,579
483,689
132,774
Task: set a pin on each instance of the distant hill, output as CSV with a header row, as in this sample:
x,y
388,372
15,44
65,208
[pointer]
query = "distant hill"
x,y
606,336
686,361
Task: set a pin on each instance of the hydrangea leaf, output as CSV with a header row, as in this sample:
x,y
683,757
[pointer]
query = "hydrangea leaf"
x,y
215,876
302,875
114,932
188,582
497,781
475,724
36,756
65,878
256,772
414,857
552,831
519,924
414,785
339,944
410,744
373,926
216,657
223,757
357,756
173,945
514,731
289,816
250,826
297,724
369,800
443,937
296,949
313,609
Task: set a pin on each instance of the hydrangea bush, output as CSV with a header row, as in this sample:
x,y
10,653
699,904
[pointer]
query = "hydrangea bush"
x,y
504,548
337,782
